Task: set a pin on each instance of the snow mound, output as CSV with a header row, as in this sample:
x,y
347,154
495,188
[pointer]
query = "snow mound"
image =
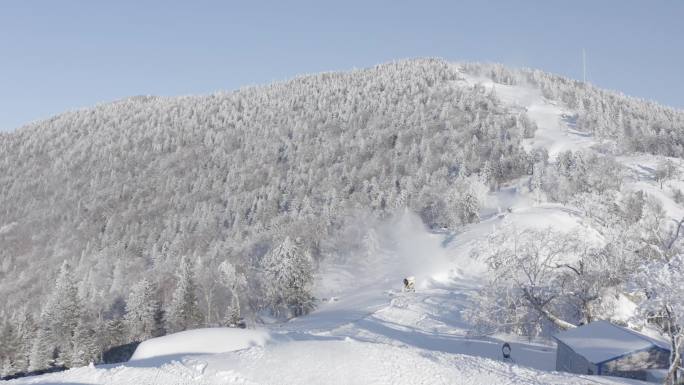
x,y
201,341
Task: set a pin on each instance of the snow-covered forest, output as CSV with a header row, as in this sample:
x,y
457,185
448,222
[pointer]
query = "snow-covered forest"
x,y
150,215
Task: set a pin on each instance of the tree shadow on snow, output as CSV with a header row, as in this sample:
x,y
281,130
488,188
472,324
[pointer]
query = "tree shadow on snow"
x,y
43,372
66,383
154,362
487,347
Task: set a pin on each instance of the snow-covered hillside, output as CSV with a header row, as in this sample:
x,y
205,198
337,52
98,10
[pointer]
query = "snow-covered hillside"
x,y
460,162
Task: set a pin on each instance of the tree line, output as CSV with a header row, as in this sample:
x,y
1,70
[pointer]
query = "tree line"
x,y
68,334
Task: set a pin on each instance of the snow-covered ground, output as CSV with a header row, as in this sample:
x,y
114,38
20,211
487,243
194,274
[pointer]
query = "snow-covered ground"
x,y
321,362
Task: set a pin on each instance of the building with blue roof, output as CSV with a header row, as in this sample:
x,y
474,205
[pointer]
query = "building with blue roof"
x,y
606,349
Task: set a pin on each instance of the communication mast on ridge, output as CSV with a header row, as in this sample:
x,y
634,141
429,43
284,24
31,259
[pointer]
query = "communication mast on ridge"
x,y
584,66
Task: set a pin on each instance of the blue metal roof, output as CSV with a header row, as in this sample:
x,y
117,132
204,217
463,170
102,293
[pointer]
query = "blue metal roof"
x,y
601,341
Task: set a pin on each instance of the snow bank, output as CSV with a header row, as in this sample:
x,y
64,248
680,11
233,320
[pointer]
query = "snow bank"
x,y
201,341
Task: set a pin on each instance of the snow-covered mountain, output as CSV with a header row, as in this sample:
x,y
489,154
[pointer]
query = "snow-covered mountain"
x,y
348,182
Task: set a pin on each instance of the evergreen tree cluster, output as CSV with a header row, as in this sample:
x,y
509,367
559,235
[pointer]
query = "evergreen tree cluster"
x,y
68,335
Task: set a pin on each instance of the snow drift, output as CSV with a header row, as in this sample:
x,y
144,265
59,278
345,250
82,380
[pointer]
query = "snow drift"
x,y
201,341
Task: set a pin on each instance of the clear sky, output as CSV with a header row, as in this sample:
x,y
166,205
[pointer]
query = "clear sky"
x,y
61,55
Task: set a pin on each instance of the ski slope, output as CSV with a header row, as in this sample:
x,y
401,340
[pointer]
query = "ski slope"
x,y
555,132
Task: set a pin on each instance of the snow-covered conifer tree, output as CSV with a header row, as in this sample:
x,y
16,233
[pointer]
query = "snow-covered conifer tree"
x,y
7,367
183,312
633,206
288,274
141,309
472,192
234,282
118,278
111,333
536,182
61,314
233,313
84,349
9,349
26,329
42,352
469,208
485,175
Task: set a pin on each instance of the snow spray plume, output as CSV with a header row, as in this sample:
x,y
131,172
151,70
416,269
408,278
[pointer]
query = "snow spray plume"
x,y
412,250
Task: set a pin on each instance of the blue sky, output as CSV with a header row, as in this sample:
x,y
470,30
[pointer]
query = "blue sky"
x,y
61,55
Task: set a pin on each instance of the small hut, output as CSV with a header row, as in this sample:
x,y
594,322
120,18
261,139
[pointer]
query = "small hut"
x,y
606,349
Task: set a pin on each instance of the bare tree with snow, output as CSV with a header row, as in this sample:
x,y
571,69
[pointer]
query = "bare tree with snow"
x,y
525,279
663,305
666,170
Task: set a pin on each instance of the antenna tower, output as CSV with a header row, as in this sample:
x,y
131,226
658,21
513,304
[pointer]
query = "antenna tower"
x,y
584,65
